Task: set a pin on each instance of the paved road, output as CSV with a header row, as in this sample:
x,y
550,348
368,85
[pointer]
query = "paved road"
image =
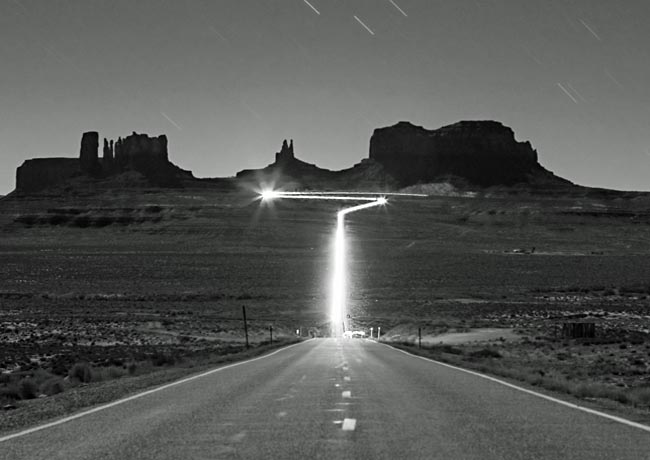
x,y
336,399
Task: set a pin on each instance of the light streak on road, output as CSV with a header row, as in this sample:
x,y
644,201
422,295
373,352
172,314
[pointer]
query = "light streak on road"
x,y
339,278
272,195
339,289
343,194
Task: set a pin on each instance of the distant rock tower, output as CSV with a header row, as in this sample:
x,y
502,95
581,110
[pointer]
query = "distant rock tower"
x,y
89,154
286,153
108,151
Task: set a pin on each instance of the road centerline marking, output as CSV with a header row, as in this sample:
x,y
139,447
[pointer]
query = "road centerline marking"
x,y
349,424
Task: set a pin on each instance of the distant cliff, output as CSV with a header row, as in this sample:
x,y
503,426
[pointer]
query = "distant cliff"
x,y
139,153
482,153
41,173
468,153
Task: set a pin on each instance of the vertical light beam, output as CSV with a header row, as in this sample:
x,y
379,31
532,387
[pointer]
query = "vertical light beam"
x,y
339,280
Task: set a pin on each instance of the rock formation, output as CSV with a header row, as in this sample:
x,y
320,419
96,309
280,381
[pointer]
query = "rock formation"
x,y
472,153
467,153
483,153
88,156
285,155
42,173
289,171
138,149
108,151
137,152
287,164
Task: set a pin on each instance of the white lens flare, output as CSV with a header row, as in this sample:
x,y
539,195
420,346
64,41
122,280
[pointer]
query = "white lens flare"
x,y
268,195
339,278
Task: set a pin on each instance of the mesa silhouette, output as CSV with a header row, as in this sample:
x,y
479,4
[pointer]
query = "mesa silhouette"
x,y
468,154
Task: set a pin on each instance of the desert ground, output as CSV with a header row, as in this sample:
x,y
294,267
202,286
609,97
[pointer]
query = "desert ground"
x,y
116,285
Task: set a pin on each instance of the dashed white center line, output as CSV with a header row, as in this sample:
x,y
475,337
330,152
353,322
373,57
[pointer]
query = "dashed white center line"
x,y
346,394
349,424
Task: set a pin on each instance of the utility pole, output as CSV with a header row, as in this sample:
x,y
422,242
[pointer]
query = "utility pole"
x,y
243,308
271,333
419,337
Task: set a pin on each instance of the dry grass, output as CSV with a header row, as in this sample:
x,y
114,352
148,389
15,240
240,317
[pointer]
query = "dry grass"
x,y
524,368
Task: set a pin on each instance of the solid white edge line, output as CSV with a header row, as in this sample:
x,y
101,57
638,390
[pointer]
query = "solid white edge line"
x,y
139,395
531,392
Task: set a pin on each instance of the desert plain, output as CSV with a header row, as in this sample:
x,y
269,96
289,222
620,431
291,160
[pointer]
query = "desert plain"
x,y
108,292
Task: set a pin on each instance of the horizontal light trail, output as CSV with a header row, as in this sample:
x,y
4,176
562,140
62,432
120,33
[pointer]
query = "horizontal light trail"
x,y
317,197
268,195
344,193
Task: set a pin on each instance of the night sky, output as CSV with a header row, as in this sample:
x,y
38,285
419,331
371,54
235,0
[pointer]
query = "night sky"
x,y
227,81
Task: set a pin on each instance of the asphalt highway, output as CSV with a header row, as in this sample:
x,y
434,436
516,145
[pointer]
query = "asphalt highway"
x,y
335,399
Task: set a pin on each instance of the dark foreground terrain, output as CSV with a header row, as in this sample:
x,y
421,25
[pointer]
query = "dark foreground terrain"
x,y
120,284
